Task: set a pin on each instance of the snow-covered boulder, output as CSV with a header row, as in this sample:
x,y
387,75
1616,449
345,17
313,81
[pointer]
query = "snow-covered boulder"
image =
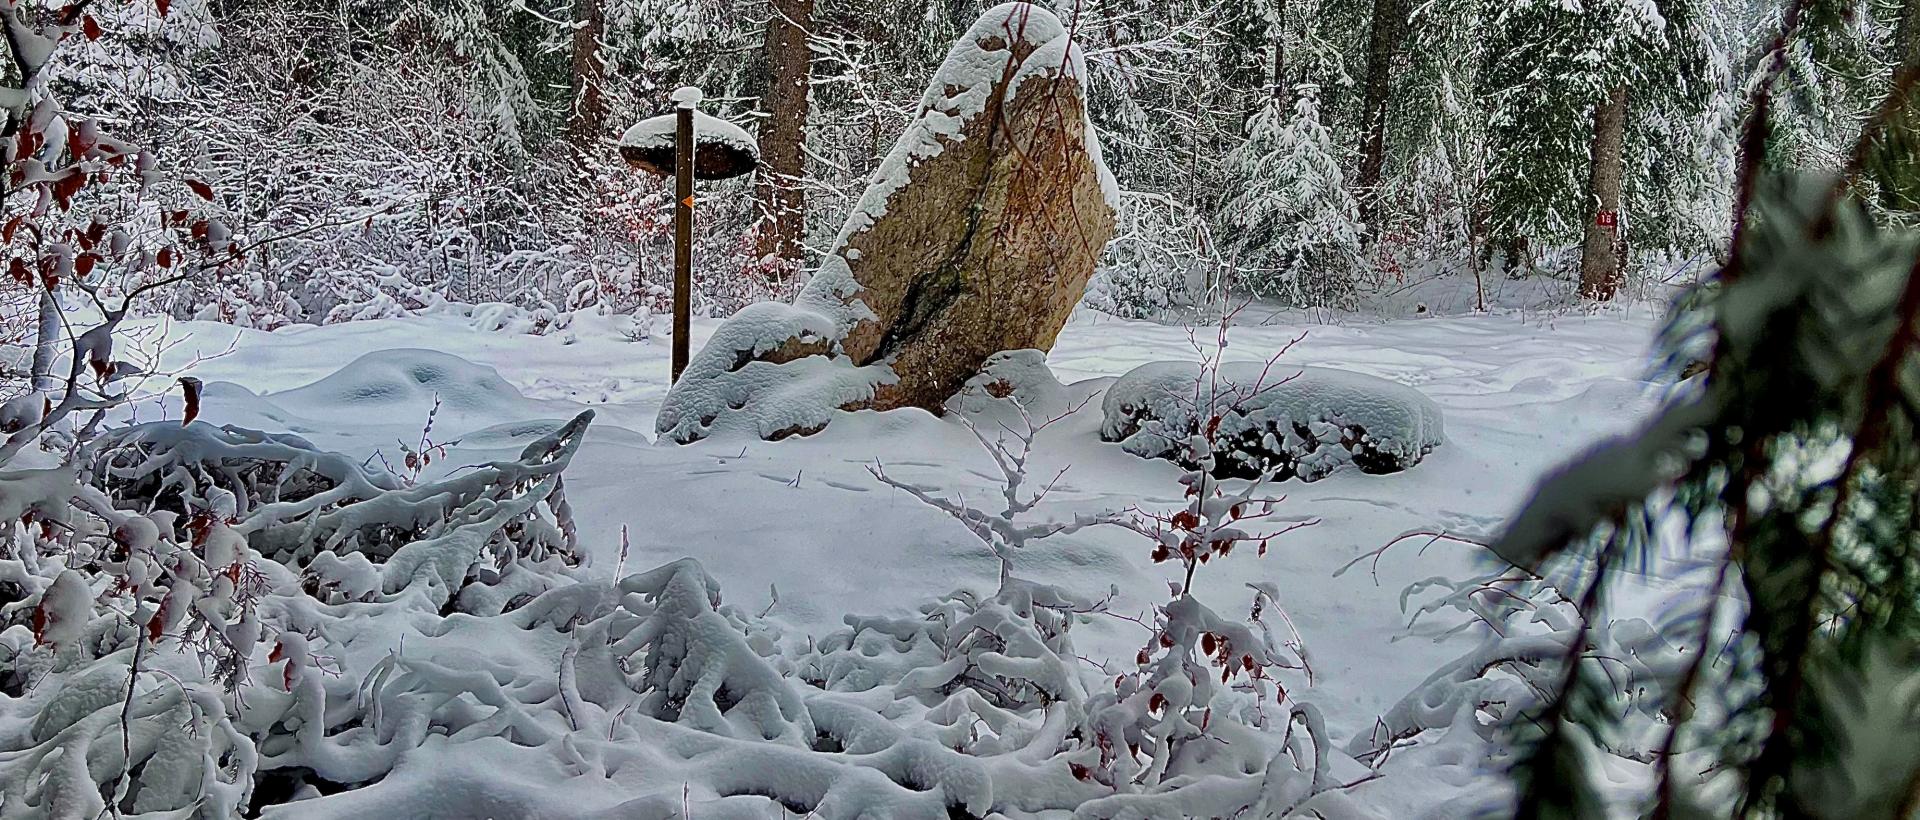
x,y
977,235
1295,422
1011,376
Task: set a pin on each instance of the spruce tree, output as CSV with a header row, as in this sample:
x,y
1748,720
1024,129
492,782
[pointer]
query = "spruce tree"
x,y
1294,227
1787,473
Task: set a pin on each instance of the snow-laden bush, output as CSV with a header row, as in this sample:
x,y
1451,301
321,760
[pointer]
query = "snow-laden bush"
x,y
1289,422
1459,723
1526,625
1158,262
206,621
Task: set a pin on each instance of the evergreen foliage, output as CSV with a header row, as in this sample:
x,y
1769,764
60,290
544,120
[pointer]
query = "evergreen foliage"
x,y
1788,474
1296,228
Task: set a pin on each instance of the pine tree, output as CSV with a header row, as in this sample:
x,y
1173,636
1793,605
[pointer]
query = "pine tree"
x,y
1789,472
1893,161
1294,227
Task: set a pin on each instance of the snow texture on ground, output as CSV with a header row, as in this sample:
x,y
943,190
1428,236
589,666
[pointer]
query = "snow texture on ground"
x,y
804,515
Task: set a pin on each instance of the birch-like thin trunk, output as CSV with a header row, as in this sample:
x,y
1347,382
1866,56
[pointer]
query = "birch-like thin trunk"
x,y
46,343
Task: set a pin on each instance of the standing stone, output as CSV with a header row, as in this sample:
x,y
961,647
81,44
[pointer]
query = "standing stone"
x,y
977,235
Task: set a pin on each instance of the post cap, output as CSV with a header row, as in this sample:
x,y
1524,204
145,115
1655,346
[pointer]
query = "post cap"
x,y
720,149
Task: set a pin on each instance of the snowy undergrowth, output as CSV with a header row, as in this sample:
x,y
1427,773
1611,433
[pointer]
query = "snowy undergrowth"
x,y
323,632
836,542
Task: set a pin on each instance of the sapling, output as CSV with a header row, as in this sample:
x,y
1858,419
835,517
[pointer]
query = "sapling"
x,y
1145,727
1004,533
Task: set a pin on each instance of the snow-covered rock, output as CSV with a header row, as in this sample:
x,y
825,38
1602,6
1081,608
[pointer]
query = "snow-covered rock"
x,y
976,235
1296,422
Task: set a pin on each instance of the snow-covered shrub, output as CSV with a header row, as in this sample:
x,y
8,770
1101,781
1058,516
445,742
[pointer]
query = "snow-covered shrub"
x,y
1003,533
1266,419
216,621
1157,262
1459,715
1154,724
1162,737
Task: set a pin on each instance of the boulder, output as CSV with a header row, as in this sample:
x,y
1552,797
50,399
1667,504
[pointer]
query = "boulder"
x,y
1290,422
977,235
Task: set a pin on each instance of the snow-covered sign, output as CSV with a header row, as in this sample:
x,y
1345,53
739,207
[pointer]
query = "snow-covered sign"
x,y
721,149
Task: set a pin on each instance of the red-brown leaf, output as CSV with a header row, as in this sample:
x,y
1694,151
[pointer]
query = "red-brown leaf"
x,y
203,190
91,27
190,389
79,140
67,186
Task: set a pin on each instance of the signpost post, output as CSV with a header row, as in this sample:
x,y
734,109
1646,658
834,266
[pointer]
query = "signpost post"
x,y
687,145
682,227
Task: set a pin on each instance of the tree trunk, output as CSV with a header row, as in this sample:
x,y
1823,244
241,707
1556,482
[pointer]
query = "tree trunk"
x,y
783,202
1600,261
589,116
1280,51
1389,30
1906,37
1516,258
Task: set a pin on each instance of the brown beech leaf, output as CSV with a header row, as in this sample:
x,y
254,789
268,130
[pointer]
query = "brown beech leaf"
x,y
190,389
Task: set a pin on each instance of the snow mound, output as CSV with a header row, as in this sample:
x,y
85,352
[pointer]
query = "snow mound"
x,y
1013,376
760,375
407,381
1297,423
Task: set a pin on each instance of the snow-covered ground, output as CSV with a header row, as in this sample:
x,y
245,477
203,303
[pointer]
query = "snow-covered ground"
x,y
1520,393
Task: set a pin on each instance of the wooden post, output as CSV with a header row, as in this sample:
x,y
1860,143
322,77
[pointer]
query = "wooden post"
x,y
682,233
